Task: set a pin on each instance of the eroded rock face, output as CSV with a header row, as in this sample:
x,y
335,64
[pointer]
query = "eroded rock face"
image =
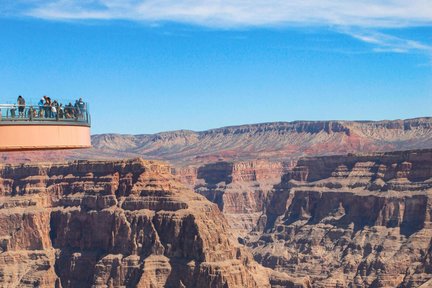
x,y
114,224
238,188
351,221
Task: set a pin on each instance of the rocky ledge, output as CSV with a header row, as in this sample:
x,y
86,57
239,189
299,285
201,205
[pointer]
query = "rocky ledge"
x,y
116,224
351,221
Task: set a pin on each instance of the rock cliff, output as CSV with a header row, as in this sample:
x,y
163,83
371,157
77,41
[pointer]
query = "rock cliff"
x,y
115,224
238,188
351,221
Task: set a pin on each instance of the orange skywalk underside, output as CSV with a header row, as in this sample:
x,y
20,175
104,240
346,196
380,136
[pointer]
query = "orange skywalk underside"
x,y
34,136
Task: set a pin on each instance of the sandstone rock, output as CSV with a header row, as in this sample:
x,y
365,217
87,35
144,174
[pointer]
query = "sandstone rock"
x,y
351,221
114,224
238,188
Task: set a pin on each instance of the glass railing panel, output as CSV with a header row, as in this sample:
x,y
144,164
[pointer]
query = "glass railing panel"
x,y
67,114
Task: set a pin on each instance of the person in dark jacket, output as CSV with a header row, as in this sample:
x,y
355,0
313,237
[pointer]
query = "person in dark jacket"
x,y
21,106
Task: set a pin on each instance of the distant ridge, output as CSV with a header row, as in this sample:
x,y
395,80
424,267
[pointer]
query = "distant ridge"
x,y
296,123
272,141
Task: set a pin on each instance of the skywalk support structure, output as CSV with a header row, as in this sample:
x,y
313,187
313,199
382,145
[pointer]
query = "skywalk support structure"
x,y
34,131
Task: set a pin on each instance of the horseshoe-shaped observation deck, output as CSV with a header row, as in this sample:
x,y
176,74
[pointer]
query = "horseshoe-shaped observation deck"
x,y
33,127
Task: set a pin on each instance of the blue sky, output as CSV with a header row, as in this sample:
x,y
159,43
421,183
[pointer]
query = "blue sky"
x,y
150,66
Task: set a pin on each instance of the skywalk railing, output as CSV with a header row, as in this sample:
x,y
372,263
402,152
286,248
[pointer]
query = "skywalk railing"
x,y
15,114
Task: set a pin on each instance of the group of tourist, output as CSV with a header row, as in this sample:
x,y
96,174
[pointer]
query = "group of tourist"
x,y
48,108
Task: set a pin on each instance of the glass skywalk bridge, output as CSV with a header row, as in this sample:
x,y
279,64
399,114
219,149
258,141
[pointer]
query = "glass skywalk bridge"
x,y
40,127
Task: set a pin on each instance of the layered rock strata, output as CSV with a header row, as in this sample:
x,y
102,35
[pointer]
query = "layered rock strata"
x,y
351,221
276,141
114,224
238,188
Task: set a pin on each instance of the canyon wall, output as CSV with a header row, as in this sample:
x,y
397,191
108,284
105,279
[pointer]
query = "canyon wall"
x,y
360,220
351,221
116,224
238,188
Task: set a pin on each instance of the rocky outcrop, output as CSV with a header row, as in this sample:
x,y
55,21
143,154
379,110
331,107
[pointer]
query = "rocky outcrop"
x,y
238,188
351,221
114,224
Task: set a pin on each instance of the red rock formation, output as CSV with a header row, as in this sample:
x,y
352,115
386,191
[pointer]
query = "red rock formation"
x,y
351,221
114,224
238,188
277,141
